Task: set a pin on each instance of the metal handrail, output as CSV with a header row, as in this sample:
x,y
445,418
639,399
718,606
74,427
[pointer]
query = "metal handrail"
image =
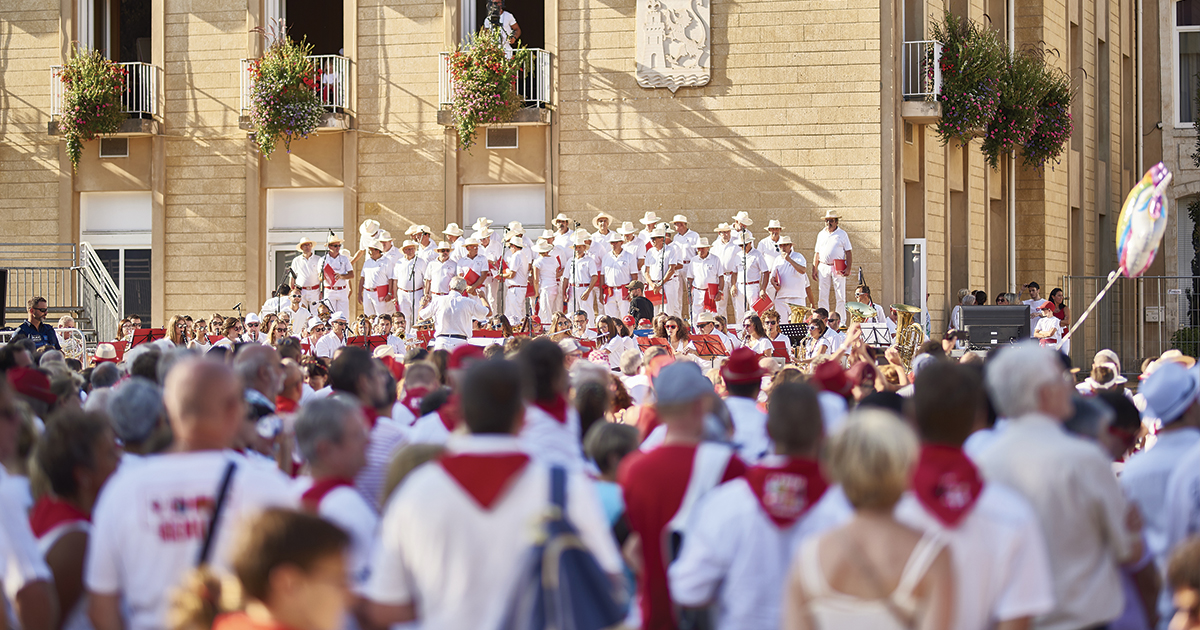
x,y
533,82
100,298
139,97
333,88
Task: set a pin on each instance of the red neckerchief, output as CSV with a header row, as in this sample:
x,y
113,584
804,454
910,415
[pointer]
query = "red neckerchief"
x,y
484,476
50,512
285,405
556,407
412,399
789,490
450,413
372,416
946,483
311,499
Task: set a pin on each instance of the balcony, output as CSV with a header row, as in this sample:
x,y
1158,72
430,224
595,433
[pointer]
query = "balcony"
x,y
333,90
140,99
533,84
922,82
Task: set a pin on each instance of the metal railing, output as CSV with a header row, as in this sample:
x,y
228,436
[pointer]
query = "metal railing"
x,y
141,89
1139,318
99,295
922,70
333,88
533,82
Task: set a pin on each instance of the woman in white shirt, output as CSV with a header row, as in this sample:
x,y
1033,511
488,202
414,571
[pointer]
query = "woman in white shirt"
x,y
200,336
678,337
754,336
819,344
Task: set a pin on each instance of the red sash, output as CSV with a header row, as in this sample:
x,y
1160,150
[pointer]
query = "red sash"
x,y
450,413
605,293
946,482
285,405
49,513
412,400
484,477
625,293
788,491
372,416
311,499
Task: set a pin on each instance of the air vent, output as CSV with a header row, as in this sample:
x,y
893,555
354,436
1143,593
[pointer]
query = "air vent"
x,y
501,137
114,147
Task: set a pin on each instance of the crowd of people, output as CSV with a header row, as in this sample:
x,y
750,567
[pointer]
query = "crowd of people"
x,y
265,472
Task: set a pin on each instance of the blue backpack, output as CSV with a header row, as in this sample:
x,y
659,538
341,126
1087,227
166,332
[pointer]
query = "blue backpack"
x,y
562,586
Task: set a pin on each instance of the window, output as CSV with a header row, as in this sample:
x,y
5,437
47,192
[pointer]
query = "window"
x,y
296,213
1187,46
117,225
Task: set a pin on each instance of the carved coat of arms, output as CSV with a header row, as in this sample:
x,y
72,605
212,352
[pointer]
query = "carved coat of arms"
x,y
673,43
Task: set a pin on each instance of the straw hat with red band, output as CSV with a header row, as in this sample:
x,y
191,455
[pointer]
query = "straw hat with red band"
x,y
105,353
742,367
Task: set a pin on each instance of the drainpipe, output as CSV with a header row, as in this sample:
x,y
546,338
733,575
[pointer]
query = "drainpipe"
x,y
1137,89
1012,169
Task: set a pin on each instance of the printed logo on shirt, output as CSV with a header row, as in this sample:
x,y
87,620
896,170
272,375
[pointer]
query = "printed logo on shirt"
x,y
180,518
785,494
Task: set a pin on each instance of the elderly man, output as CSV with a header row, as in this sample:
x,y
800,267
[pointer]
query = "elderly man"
x,y
139,419
306,273
335,338
1080,508
337,272
409,274
562,230
150,523
789,275
516,275
751,274
707,275
474,267
580,278
452,316
661,268
620,268
831,263
375,284
356,375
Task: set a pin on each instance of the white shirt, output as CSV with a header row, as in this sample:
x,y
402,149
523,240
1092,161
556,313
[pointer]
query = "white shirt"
x,y
792,283
1080,509
734,552
382,442
770,249
440,274
999,557
579,271
328,344
547,271
299,320
375,273
638,387
619,269
518,263
687,243
458,563
428,253
21,562
149,521
409,274
341,265
659,262
754,261
1033,314
428,429
479,264
308,270
1145,478
552,442
453,313
1051,325
345,507
832,246
706,271
275,304
749,429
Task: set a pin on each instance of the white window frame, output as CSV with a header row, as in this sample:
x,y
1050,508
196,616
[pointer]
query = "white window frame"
x,y
1176,29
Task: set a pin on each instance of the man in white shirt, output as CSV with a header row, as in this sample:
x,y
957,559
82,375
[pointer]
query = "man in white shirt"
x,y
454,535
150,521
650,222
1035,298
769,246
995,541
334,339
254,333
454,238
724,249
551,431
831,263
516,280
277,302
439,272
630,233
383,327
742,375
473,267
751,273
423,235
580,278
789,276
620,267
708,279
24,576
600,245
390,252
299,314
452,316
562,231
1080,508
661,268
375,284
409,274
306,273
547,273
337,273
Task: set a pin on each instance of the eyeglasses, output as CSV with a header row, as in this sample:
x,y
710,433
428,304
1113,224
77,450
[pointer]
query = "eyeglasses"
x,y
813,327
253,325
771,322
671,327
295,297
40,310
334,246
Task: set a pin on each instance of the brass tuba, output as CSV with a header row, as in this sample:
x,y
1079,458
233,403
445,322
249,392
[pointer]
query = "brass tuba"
x,y
798,314
909,334
857,313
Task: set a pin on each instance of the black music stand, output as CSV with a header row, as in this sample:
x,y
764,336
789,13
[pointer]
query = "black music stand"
x,y
795,333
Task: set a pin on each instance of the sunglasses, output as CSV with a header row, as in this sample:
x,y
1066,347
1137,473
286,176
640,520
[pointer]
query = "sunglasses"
x,y
771,322
253,325
671,327
295,297
335,247
40,310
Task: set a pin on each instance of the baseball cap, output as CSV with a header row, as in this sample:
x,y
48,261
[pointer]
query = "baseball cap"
x,y
1169,391
253,318
681,382
338,316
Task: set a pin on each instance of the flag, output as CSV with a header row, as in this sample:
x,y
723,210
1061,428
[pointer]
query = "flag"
x,y
761,305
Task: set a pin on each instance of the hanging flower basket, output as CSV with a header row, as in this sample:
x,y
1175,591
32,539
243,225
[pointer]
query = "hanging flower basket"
x,y
972,60
1022,88
284,104
485,84
92,89
1047,141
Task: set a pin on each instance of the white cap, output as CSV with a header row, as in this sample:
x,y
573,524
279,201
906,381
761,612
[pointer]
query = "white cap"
x,y
542,247
516,241
547,234
658,232
338,316
252,318
481,223
482,233
368,242
579,239
313,323
412,230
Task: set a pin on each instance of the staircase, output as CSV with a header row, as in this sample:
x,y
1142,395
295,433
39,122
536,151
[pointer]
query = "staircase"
x,y
70,277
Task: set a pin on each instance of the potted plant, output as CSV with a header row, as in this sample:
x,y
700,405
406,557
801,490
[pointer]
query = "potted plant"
x,y
1054,123
1022,88
971,62
484,80
92,89
284,103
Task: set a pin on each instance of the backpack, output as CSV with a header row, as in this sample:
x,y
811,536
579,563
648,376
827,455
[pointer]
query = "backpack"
x,y
562,586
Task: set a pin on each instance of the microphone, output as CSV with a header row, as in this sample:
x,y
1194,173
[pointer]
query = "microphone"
x,y
236,307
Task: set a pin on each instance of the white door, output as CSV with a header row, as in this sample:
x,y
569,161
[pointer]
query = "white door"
x,y
294,214
504,203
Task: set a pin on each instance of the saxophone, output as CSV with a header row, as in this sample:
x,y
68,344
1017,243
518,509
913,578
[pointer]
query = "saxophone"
x,y
909,334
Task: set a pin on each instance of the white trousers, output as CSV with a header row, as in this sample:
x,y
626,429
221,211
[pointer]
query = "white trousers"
x,y
616,307
339,301
373,306
548,304
309,297
743,304
406,301
446,343
697,304
673,293
514,305
826,276
575,302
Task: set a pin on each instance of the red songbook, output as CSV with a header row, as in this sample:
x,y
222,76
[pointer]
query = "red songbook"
x,y
530,290
471,277
779,349
839,265
656,297
214,338
369,342
590,344
425,335
644,343
625,293
710,297
146,335
761,305
330,275
491,334
605,293
381,291
709,345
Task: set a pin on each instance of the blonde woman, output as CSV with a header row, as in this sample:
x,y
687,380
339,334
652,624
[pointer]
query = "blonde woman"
x,y
279,331
177,331
200,336
873,573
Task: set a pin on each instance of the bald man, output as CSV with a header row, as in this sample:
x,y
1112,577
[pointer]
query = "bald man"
x,y
150,522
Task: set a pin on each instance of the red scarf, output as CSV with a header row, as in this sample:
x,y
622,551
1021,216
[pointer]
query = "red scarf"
x,y
787,491
285,405
556,407
946,483
412,399
50,512
484,476
450,413
372,416
311,499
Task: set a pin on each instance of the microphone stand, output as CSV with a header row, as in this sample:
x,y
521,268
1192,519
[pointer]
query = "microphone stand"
x,y
412,281
745,275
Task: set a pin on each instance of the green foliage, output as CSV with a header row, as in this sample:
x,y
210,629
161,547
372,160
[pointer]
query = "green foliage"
x,y
1022,87
92,89
972,58
1187,340
485,83
284,104
1053,121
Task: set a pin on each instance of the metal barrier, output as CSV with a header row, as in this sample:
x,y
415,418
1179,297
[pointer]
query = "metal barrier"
x,y
922,70
533,82
140,95
70,277
1138,319
333,88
